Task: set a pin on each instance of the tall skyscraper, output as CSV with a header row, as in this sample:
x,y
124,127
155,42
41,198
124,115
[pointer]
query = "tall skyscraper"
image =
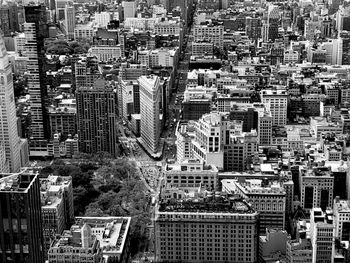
x,y
149,108
37,125
4,165
8,121
69,20
36,30
21,237
97,118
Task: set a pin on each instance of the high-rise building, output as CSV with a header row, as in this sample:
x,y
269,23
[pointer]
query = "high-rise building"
x,y
265,128
4,164
63,121
185,133
129,9
149,109
36,30
8,121
69,21
130,98
216,139
322,234
207,228
4,20
341,210
246,113
86,72
20,221
316,188
239,149
9,18
60,9
97,118
253,27
196,103
268,200
56,206
334,51
35,92
276,103
345,36
128,89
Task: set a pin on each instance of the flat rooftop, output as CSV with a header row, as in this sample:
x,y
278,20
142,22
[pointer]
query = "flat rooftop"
x,y
19,182
254,186
218,203
187,165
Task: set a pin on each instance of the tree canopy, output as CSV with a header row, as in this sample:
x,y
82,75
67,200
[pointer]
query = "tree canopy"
x,y
62,47
108,187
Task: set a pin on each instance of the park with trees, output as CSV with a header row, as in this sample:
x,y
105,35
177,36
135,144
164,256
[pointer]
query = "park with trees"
x,y
104,186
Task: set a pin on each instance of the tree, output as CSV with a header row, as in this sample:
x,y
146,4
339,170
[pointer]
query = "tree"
x,y
80,197
94,210
58,47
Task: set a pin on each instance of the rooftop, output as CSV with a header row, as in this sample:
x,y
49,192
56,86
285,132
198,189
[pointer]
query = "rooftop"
x,y
53,182
110,231
342,205
191,165
254,186
19,182
211,203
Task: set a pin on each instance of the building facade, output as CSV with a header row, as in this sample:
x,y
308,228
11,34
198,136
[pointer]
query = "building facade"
x,y
8,120
276,103
205,231
149,109
191,173
97,118
268,200
21,235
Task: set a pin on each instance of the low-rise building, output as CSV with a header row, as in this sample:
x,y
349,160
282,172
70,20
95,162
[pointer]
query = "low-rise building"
x,y
93,240
75,245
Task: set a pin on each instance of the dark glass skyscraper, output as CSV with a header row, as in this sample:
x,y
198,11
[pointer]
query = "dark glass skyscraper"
x,y
20,219
36,30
